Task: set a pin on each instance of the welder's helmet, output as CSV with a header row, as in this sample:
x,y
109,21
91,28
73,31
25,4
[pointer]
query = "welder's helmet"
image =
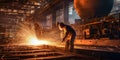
x,y
61,25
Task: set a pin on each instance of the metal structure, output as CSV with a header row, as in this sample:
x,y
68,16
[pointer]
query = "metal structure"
x,y
14,12
23,6
44,52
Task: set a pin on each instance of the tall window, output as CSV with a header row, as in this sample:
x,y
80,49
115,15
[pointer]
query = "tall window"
x,y
72,14
49,21
60,15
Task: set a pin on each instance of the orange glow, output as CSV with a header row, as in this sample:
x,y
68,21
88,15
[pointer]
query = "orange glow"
x,y
35,41
28,35
83,2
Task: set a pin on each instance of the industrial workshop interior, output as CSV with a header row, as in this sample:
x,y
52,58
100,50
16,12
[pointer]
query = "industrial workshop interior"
x,y
59,29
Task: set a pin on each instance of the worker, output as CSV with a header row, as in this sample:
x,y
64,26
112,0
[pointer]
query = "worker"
x,y
38,30
69,37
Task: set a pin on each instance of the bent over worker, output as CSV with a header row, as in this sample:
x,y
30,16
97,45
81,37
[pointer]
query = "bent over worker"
x,y
69,37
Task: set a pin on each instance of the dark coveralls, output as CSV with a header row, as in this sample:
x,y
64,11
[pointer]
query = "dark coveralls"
x,y
69,38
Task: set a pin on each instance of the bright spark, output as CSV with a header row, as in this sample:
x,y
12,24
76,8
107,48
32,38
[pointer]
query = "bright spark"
x,y
35,41
27,33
